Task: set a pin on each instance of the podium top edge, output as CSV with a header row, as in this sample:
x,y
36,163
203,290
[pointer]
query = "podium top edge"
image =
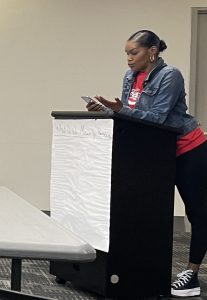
x,y
80,115
105,115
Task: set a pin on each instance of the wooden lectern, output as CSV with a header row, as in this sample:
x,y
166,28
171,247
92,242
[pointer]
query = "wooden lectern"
x,y
139,260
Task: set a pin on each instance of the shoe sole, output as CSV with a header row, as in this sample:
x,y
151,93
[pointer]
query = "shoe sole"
x,y
186,293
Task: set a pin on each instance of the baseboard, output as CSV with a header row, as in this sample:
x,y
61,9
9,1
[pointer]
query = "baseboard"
x,y
179,223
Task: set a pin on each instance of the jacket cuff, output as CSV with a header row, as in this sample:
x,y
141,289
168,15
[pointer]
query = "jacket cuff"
x,y
125,110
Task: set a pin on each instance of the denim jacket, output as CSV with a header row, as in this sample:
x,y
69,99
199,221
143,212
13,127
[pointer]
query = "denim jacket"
x,y
162,99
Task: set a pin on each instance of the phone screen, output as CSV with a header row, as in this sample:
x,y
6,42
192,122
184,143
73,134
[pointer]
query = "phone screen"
x,y
88,99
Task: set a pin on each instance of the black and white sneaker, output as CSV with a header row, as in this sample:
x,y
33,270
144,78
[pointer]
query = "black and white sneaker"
x,y
186,285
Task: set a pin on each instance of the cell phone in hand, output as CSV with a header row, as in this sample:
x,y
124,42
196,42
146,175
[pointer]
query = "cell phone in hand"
x,y
89,99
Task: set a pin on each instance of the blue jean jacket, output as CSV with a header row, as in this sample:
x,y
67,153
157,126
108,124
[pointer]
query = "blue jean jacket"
x,y
162,99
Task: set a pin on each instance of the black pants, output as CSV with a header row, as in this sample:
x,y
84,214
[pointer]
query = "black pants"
x,y
191,181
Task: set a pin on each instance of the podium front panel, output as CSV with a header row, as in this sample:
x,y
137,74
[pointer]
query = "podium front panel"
x,y
140,229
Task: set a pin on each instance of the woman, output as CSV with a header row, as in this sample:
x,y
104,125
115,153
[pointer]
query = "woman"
x,y
154,91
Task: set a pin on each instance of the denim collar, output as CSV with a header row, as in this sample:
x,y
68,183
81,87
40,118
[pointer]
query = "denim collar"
x,y
159,65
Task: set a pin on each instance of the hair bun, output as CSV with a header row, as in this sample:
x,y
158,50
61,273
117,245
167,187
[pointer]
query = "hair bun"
x,y
162,46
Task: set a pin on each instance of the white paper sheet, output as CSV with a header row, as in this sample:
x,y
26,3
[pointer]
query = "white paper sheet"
x,y
81,178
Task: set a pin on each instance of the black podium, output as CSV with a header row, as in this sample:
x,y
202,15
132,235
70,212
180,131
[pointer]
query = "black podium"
x,y
139,260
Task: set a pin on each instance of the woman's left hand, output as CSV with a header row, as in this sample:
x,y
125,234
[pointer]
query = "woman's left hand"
x,y
114,105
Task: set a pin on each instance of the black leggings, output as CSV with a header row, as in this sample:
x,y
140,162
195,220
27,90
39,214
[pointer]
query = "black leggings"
x,y
191,181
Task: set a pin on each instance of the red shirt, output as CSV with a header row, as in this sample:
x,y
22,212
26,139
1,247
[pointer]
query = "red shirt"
x,y
190,141
136,89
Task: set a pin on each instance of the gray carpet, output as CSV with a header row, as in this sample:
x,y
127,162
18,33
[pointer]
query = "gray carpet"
x,y
36,279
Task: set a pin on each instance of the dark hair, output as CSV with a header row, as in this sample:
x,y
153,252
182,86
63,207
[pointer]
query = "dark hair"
x,y
148,39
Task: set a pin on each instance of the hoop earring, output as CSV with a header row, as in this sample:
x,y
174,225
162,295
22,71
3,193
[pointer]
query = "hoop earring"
x,y
152,58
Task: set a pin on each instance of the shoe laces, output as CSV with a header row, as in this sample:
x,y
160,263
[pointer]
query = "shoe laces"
x,y
183,278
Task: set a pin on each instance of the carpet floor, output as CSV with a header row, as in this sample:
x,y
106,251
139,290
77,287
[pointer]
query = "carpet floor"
x,y
37,280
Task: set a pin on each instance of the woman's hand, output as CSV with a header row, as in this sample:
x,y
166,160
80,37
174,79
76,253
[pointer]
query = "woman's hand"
x,y
114,105
92,106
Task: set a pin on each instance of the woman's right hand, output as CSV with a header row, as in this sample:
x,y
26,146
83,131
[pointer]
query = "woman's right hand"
x,y
115,105
92,106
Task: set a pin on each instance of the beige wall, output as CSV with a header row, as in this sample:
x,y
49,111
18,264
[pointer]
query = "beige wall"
x,y
53,51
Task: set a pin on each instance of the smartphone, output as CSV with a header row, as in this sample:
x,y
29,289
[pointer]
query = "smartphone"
x,y
89,99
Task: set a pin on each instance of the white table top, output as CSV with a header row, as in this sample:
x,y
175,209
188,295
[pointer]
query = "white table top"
x,y
26,232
